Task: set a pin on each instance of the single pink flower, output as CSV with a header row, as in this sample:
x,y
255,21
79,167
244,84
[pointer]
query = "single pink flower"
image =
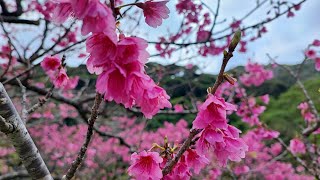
x,y
265,98
61,79
297,7
203,35
145,165
189,66
297,146
154,12
290,14
99,19
214,112
316,42
51,63
178,108
236,24
310,53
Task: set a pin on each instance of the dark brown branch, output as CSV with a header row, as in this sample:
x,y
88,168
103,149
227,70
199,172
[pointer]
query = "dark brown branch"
x,y
94,115
15,20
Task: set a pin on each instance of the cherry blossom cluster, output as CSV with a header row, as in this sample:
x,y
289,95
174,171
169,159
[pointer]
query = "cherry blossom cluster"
x,y
261,159
255,75
217,137
119,62
312,54
249,110
306,112
52,65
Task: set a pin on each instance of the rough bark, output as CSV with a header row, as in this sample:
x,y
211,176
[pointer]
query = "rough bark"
x,y
21,139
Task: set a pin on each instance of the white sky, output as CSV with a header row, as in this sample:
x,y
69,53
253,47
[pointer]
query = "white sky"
x,y
286,38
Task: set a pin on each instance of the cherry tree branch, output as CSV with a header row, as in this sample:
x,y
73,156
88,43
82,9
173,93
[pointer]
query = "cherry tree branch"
x,y
227,55
14,128
94,115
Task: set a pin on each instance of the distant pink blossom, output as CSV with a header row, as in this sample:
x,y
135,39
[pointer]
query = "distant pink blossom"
x,y
310,53
189,66
297,146
265,98
316,42
203,35
154,12
317,63
241,170
178,108
145,165
255,75
297,7
236,24
51,63
290,14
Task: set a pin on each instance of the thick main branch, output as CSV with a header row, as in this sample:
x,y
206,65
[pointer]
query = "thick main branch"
x,y
21,139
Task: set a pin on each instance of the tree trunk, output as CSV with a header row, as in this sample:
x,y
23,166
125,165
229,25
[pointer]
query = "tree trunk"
x,y
12,125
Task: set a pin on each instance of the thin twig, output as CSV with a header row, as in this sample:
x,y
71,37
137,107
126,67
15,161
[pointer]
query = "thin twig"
x,y
24,112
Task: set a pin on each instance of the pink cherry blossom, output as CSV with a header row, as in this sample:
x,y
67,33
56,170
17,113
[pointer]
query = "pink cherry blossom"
x,y
203,35
195,161
102,49
265,98
225,144
317,63
72,83
51,63
99,19
213,111
61,79
61,12
310,53
131,49
145,165
189,66
290,14
297,146
154,100
180,171
154,12
178,108
255,75
316,42
236,24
